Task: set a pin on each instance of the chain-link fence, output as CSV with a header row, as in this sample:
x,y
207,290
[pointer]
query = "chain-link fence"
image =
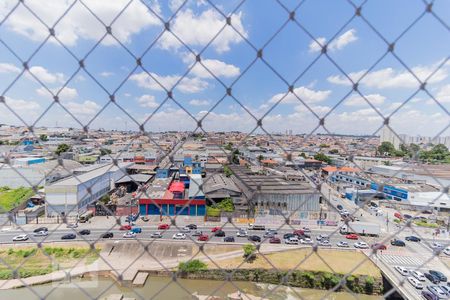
x,y
214,177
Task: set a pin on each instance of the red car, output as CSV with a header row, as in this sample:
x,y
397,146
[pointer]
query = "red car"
x,y
163,226
275,240
125,227
216,229
299,232
203,237
378,246
398,215
351,236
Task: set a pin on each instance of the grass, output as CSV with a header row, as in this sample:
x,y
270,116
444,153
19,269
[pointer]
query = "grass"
x,y
10,198
342,262
426,224
33,261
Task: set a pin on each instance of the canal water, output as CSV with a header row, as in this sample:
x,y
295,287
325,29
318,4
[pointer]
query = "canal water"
x,y
165,289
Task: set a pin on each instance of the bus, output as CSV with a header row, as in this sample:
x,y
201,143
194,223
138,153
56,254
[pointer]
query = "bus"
x,y
86,216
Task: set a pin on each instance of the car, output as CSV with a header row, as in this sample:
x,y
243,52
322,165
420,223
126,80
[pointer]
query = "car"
x,y
129,235
179,236
107,235
339,207
254,238
402,270
185,229
342,244
85,232
361,245
406,216
378,246
72,225
325,243
438,291
214,229
203,238
351,236
373,204
412,238
145,219
156,235
20,237
398,215
306,241
69,236
321,237
291,241
306,229
446,251
163,226
429,295
196,233
40,229
415,283
191,226
228,239
439,275
418,275
274,240
432,278
125,227
269,234
446,288
436,246
274,231
242,233
220,233
40,233
136,229
397,242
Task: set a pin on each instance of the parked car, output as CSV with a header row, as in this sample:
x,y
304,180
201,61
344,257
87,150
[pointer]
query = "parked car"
x,y
351,236
342,244
228,239
415,283
129,235
306,241
446,288
321,237
291,241
447,251
402,270
275,240
20,237
179,236
254,238
436,246
191,226
439,275
242,233
288,235
418,275
397,242
361,245
85,232
220,233
271,230
40,229
40,233
325,243
214,229
145,219
306,230
196,233
339,207
432,278
156,235
163,226
268,234
107,235
406,216
185,229
429,295
203,238
72,225
136,229
412,238
125,227
398,215
438,291
69,236
378,246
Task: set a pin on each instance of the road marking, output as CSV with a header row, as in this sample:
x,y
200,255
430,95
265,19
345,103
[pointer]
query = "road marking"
x,y
401,260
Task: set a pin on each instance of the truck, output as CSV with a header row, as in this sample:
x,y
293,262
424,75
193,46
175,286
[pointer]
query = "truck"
x,y
361,228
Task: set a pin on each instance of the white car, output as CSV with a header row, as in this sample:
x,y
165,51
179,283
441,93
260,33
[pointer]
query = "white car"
x,y
418,275
415,283
72,225
361,245
21,237
343,244
436,246
41,233
185,229
322,237
325,243
179,236
291,241
447,251
306,241
129,235
156,235
402,270
306,229
242,233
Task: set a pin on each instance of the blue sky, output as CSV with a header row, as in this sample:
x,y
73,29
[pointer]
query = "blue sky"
x,y
261,87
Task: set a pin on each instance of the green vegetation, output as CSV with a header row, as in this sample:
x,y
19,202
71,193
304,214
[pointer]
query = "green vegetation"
x,y
437,154
227,171
43,137
226,205
62,148
334,151
11,198
192,266
424,223
229,146
235,156
33,261
322,157
249,250
104,151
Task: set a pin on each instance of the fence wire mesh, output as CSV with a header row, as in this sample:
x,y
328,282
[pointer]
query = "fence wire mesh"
x,y
30,32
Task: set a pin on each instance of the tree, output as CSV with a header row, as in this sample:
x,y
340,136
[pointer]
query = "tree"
x,y
43,137
227,171
235,156
229,146
334,151
322,157
192,266
303,155
104,151
61,149
386,148
249,251
260,158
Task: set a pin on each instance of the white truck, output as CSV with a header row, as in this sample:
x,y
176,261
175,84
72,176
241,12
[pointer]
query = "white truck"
x,y
361,228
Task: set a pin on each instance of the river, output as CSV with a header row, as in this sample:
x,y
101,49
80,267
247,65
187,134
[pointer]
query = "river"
x,y
162,288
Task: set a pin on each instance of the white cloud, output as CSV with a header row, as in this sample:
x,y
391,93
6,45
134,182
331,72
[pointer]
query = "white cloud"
x,y
79,22
186,85
175,4
45,76
148,101
66,93
199,29
22,105
196,102
443,94
357,100
217,67
336,44
106,74
86,108
391,78
9,68
304,93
